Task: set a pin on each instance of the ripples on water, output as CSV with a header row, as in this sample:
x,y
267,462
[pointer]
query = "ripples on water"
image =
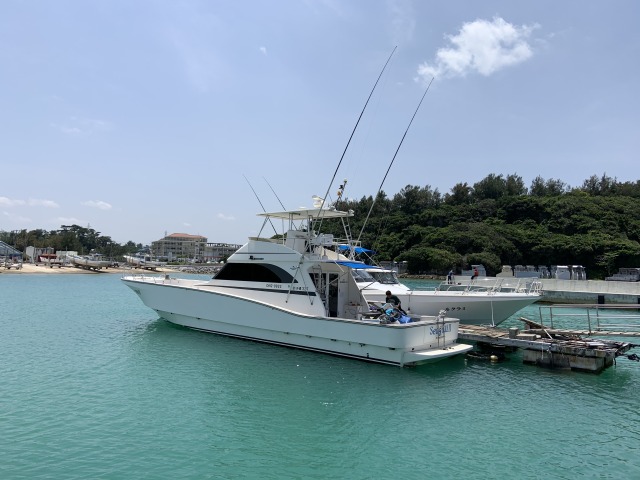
x,y
95,386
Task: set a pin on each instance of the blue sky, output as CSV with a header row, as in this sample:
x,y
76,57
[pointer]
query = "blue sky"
x,y
140,118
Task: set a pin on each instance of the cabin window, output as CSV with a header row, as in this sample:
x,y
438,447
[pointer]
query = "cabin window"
x,y
385,277
362,276
254,272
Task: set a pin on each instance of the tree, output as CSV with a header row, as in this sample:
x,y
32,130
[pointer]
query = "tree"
x,y
544,188
460,195
492,186
423,259
599,186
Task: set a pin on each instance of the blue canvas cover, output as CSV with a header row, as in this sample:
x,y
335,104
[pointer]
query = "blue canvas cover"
x,y
356,249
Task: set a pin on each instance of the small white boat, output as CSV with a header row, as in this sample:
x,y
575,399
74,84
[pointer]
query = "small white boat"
x,y
93,261
144,261
481,301
50,260
294,291
10,263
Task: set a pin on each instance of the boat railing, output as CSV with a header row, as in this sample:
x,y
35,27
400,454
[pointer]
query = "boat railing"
x,y
597,318
492,286
269,240
165,279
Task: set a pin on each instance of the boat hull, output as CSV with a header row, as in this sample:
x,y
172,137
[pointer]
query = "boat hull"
x,y
143,262
90,264
202,307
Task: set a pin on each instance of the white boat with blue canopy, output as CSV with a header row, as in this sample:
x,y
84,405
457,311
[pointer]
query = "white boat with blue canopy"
x,y
475,301
296,290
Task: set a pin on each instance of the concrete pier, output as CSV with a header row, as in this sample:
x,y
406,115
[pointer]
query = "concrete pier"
x,y
590,291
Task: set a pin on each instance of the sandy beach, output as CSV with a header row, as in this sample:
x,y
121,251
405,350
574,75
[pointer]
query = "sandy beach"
x,y
28,268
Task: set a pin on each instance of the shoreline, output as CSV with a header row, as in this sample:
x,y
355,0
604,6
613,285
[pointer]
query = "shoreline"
x,y
30,269
422,277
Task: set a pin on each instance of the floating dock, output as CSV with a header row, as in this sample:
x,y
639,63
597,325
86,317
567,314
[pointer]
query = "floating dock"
x,y
547,345
550,349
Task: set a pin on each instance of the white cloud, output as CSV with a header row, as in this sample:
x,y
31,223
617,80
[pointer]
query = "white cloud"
x,y
8,202
480,46
12,217
32,202
222,216
97,204
263,50
67,130
82,126
186,224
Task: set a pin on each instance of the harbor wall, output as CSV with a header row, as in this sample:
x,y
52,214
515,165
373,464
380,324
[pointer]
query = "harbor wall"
x,y
590,291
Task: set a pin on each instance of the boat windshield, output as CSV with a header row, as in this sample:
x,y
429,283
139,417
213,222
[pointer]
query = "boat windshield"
x,y
362,276
384,276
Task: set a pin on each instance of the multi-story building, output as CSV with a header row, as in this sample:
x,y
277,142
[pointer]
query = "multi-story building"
x,y
217,252
191,247
179,245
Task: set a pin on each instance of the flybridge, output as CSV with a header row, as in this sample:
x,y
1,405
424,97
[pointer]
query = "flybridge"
x,y
300,235
307,213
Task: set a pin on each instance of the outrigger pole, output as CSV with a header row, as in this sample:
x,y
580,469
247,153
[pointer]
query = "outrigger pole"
x,y
274,192
258,198
324,199
393,159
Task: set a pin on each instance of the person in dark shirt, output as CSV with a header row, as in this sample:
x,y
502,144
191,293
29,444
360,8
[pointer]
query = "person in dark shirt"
x,y
395,301
475,274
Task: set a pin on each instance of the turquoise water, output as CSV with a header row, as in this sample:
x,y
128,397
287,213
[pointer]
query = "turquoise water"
x,y
94,385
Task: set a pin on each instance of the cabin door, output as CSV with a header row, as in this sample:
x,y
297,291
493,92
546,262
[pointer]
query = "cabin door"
x,y
327,287
332,294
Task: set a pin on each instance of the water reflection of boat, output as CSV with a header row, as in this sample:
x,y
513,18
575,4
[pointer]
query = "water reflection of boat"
x,y
294,291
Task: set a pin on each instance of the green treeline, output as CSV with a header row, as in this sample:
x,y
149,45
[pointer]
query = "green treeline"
x,y
496,221
499,221
69,238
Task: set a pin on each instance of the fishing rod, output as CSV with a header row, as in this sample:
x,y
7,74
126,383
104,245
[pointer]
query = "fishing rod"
x,y
394,158
354,131
280,201
263,209
274,192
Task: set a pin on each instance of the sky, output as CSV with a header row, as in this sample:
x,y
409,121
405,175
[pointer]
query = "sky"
x,y
145,118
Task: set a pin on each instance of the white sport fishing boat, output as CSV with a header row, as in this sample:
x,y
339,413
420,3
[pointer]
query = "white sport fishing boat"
x,y
296,292
475,302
